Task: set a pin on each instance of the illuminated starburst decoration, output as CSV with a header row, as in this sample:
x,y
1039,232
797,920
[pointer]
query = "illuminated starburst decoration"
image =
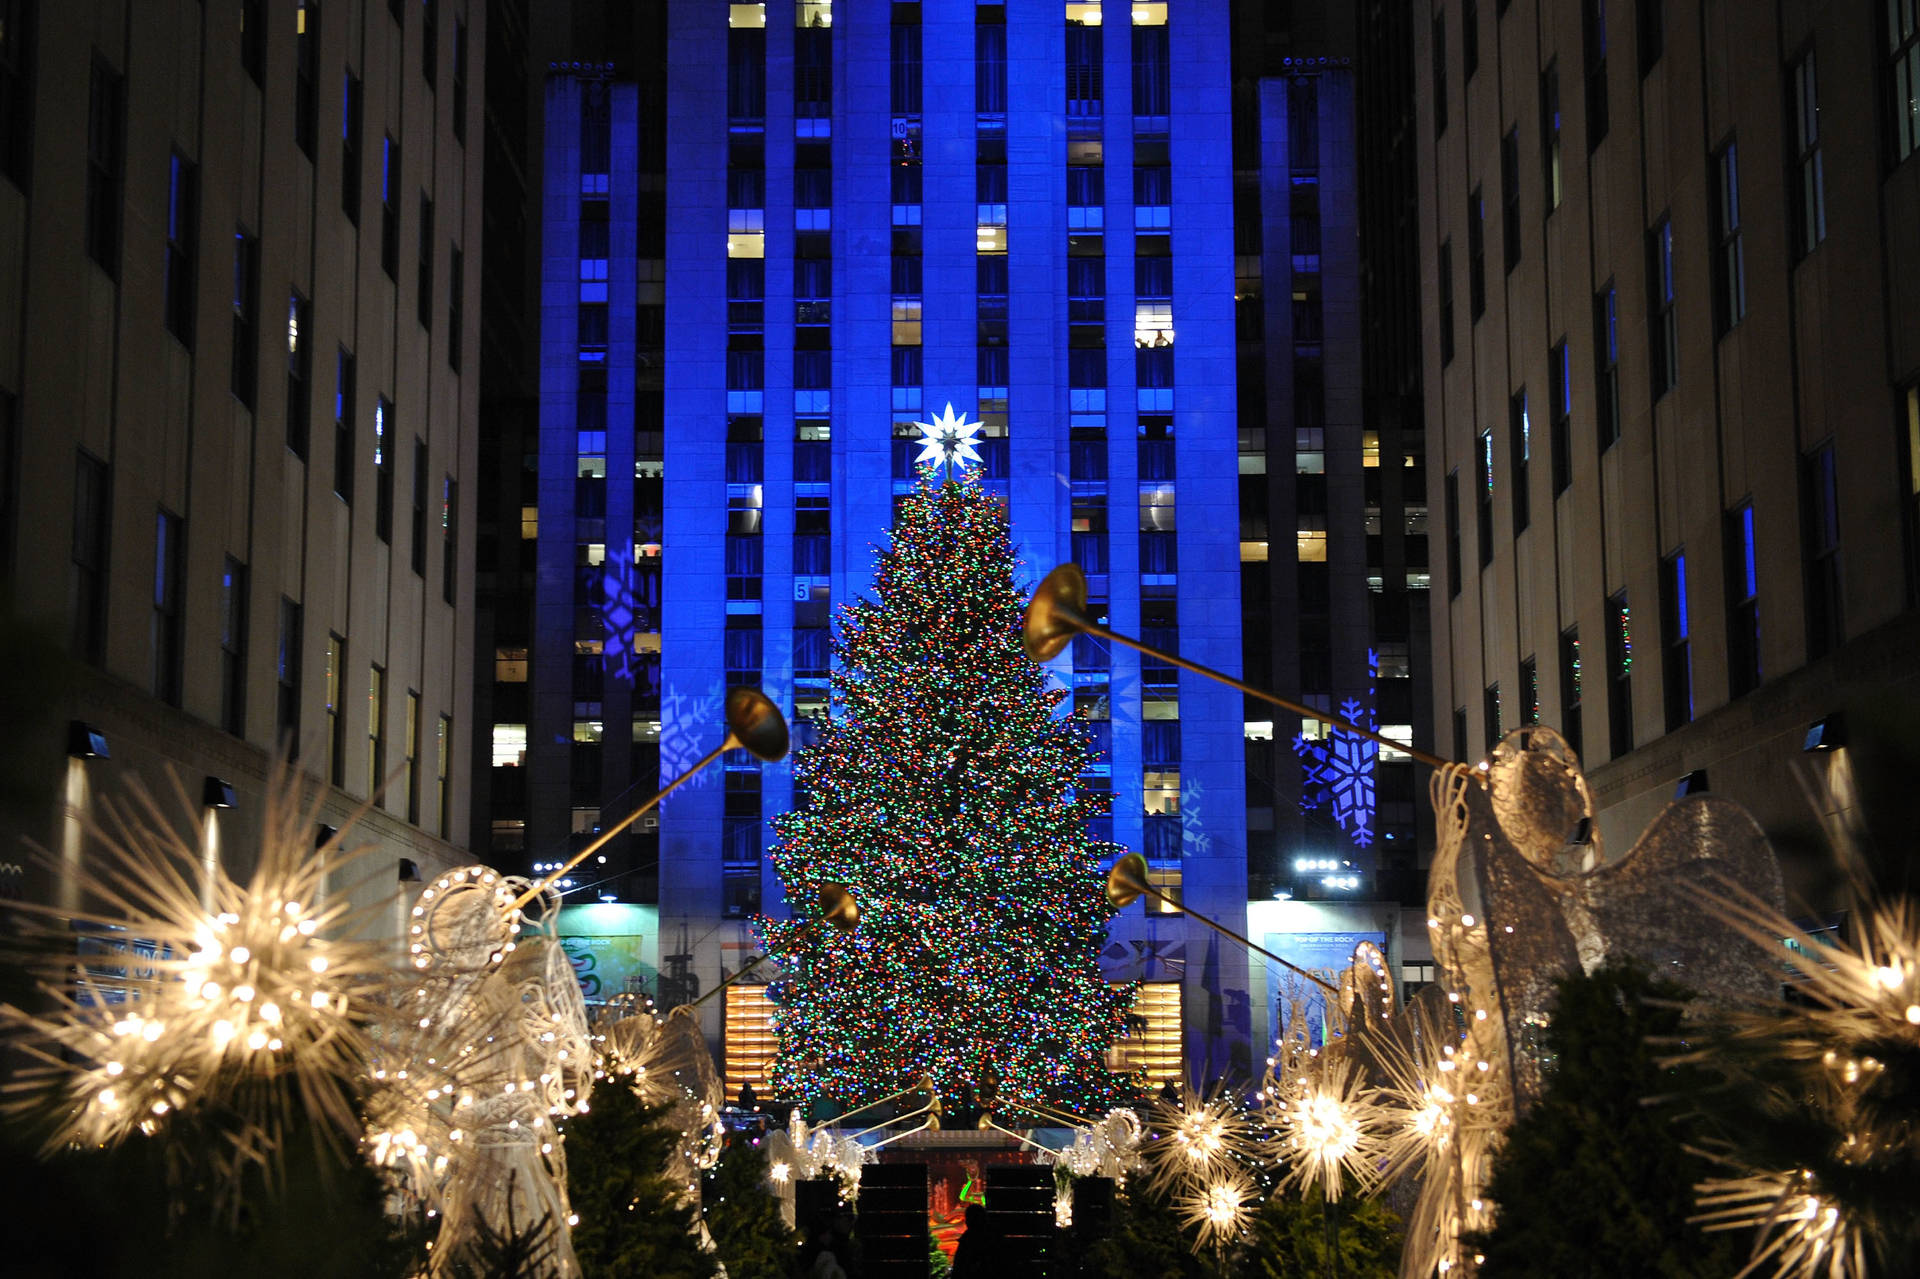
x,y
1218,1207
665,1061
235,1013
1329,1127
949,440
1197,1139
1799,1232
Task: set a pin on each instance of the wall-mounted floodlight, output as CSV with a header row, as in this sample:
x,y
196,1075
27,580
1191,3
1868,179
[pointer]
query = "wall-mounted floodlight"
x,y
1694,783
1826,734
409,871
216,793
323,834
84,741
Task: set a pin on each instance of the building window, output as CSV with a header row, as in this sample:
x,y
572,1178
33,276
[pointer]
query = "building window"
x,y
92,519
746,75
1469,39
413,757
1520,450
351,110
9,478
1085,91
306,90
1810,213
343,391
905,86
1152,78
390,207
459,81
1550,134
1570,687
1911,439
1445,265
1619,675
106,132
1476,254
382,469
1729,259
253,39
1440,86
286,671
169,562
1529,692
1460,734
1819,503
233,647
456,305
1490,714
376,730
423,304
1594,28
336,728
989,66
813,73
449,537
1606,357
1650,24
1663,332
1560,393
443,760
1743,602
1453,539
417,552
183,231
1903,48
1675,637
430,41
1510,195
299,372
1483,493
16,89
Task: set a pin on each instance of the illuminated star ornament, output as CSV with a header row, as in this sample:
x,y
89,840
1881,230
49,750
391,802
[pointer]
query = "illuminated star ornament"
x,y
948,439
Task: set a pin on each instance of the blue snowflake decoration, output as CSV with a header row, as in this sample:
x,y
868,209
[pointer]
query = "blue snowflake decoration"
x,y
1337,772
619,615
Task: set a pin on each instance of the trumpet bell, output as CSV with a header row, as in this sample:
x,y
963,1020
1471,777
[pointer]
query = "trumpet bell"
x,y
1056,613
757,724
1127,881
838,907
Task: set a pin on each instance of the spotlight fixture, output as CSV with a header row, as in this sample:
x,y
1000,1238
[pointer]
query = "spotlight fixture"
x,y
1694,783
323,834
84,741
1826,734
216,793
409,871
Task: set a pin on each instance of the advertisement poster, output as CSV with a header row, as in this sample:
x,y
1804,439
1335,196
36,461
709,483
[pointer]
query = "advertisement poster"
x,y
614,949
1325,954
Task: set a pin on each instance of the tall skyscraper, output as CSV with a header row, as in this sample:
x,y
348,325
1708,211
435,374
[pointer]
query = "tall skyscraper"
x,y
237,391
1671,371
854,216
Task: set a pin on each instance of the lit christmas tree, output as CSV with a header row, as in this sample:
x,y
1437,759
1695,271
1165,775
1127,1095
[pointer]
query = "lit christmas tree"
x,y
943,794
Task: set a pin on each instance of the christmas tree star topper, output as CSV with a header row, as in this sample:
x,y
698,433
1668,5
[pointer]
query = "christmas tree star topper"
x,y
948,439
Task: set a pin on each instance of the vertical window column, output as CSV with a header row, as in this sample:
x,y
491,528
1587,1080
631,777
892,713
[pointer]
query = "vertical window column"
x,y
286,671
233,647
376,731
1675,640
1743,601
1619,675
1570,688
299,373
183,235
1820,520
169,564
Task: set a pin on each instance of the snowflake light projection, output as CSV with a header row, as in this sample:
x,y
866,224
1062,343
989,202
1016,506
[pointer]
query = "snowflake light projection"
x,y
1337,771
619,613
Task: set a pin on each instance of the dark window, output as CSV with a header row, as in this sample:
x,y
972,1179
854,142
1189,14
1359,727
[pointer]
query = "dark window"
x,y
1570,687
1650,24
1469,39
336,723
1729,258
990,67
383,469
1460,733
246,309
343,393
1476,255
1606,359
1619,675
1819,498
412,763
253,38
596,128
1743,601
456,305
299,372
16,89
418,549
746,74
449,537
1520,450
306,71
1510,195
376,729
1152,81
390,207
1663,332
905,88
1085,92
351,109
1903,51
106,131
1810,212
169,562
1910,490
813,72
9,479
287,679
1440,94
1594,26
1490,714
443,751
1453,538
430,41
183,234
1445,266
1560,393
459,81
1550,134
1483,493
1529,692
424,269
233,647
1675,640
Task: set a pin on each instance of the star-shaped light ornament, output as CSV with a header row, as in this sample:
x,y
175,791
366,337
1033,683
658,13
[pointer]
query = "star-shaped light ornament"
x,y
948,439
